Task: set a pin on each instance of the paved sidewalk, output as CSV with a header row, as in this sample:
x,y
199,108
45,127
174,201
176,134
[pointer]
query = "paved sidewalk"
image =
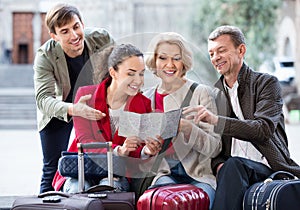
x,y
21,162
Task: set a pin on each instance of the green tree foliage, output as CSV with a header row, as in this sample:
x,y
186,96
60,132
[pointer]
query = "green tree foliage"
x,y
256,18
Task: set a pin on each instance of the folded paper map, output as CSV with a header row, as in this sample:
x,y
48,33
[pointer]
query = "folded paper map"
x,y
149,124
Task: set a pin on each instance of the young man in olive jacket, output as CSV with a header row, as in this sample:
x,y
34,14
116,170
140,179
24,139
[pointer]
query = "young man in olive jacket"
x,y
250,120
60,67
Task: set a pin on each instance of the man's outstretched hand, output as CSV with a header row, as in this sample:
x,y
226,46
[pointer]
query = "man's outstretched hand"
x,y
200,113
81,109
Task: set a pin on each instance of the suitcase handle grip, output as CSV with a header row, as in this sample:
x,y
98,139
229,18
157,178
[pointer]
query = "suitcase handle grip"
x,y
286,174
94,145
100,188
53,193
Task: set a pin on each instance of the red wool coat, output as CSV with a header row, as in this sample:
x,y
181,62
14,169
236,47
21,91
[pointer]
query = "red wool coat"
x,y
95,131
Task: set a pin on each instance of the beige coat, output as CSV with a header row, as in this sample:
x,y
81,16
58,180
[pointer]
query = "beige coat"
x,y
196,152
51,77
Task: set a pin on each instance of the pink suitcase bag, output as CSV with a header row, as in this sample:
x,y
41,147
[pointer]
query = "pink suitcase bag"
x,y
173,197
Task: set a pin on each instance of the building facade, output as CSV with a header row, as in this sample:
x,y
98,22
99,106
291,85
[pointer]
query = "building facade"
x,y
297,46
24,31
22,23
288,36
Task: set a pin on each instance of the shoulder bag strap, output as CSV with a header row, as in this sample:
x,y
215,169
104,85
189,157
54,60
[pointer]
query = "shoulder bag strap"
x,y
167,142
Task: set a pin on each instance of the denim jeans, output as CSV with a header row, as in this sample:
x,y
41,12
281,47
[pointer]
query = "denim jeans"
x,y
179,176
54,139
234,178
71,184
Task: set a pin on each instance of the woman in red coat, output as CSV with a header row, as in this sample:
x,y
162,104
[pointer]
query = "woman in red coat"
x,y
119,91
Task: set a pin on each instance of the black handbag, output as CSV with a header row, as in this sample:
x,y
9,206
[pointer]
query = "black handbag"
x,y
95,165
281,191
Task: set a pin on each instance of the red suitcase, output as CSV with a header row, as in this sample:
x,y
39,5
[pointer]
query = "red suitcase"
x,y
173,197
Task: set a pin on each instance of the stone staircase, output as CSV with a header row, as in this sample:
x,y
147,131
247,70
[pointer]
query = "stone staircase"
x,y
17,103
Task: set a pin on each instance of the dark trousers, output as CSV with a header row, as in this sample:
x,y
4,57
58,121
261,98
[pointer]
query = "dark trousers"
x,y
54,139
234,178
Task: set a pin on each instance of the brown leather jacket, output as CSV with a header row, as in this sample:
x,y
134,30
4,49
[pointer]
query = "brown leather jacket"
x,y
261,103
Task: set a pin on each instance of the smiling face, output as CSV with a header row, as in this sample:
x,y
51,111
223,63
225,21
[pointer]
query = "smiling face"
x,y
130,75
169,63
71,37
225,57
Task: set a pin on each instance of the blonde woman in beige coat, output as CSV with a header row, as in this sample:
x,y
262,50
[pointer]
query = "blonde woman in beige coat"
x,y
190,154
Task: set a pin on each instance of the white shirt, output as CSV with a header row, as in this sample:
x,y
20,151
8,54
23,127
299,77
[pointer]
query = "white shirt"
x,y
241,148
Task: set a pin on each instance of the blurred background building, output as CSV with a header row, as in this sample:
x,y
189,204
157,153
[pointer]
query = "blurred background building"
x,y
23,30
288,36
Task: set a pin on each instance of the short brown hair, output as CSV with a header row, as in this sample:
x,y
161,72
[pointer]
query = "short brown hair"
x,y
60,15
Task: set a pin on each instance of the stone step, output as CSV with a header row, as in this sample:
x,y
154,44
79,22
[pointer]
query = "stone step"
x,y
17,108
17,100
16,76
16,115
13,124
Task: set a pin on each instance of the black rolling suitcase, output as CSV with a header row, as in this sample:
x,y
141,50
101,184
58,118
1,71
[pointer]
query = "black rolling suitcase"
x,y
111,199
56,200
95,198
274,193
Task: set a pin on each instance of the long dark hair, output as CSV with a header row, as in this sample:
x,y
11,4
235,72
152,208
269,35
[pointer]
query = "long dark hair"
x,y
112,56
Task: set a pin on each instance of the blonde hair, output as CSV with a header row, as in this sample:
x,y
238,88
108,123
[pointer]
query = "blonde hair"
x,y
169,38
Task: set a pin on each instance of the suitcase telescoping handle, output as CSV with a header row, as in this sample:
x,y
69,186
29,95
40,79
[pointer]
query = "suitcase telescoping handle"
x,y
94,145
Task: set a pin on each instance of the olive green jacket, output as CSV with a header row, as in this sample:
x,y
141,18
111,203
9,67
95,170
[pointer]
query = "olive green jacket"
x,y
51,76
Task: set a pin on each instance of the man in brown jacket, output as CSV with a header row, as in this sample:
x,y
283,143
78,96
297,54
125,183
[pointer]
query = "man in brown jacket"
x,y
250,120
